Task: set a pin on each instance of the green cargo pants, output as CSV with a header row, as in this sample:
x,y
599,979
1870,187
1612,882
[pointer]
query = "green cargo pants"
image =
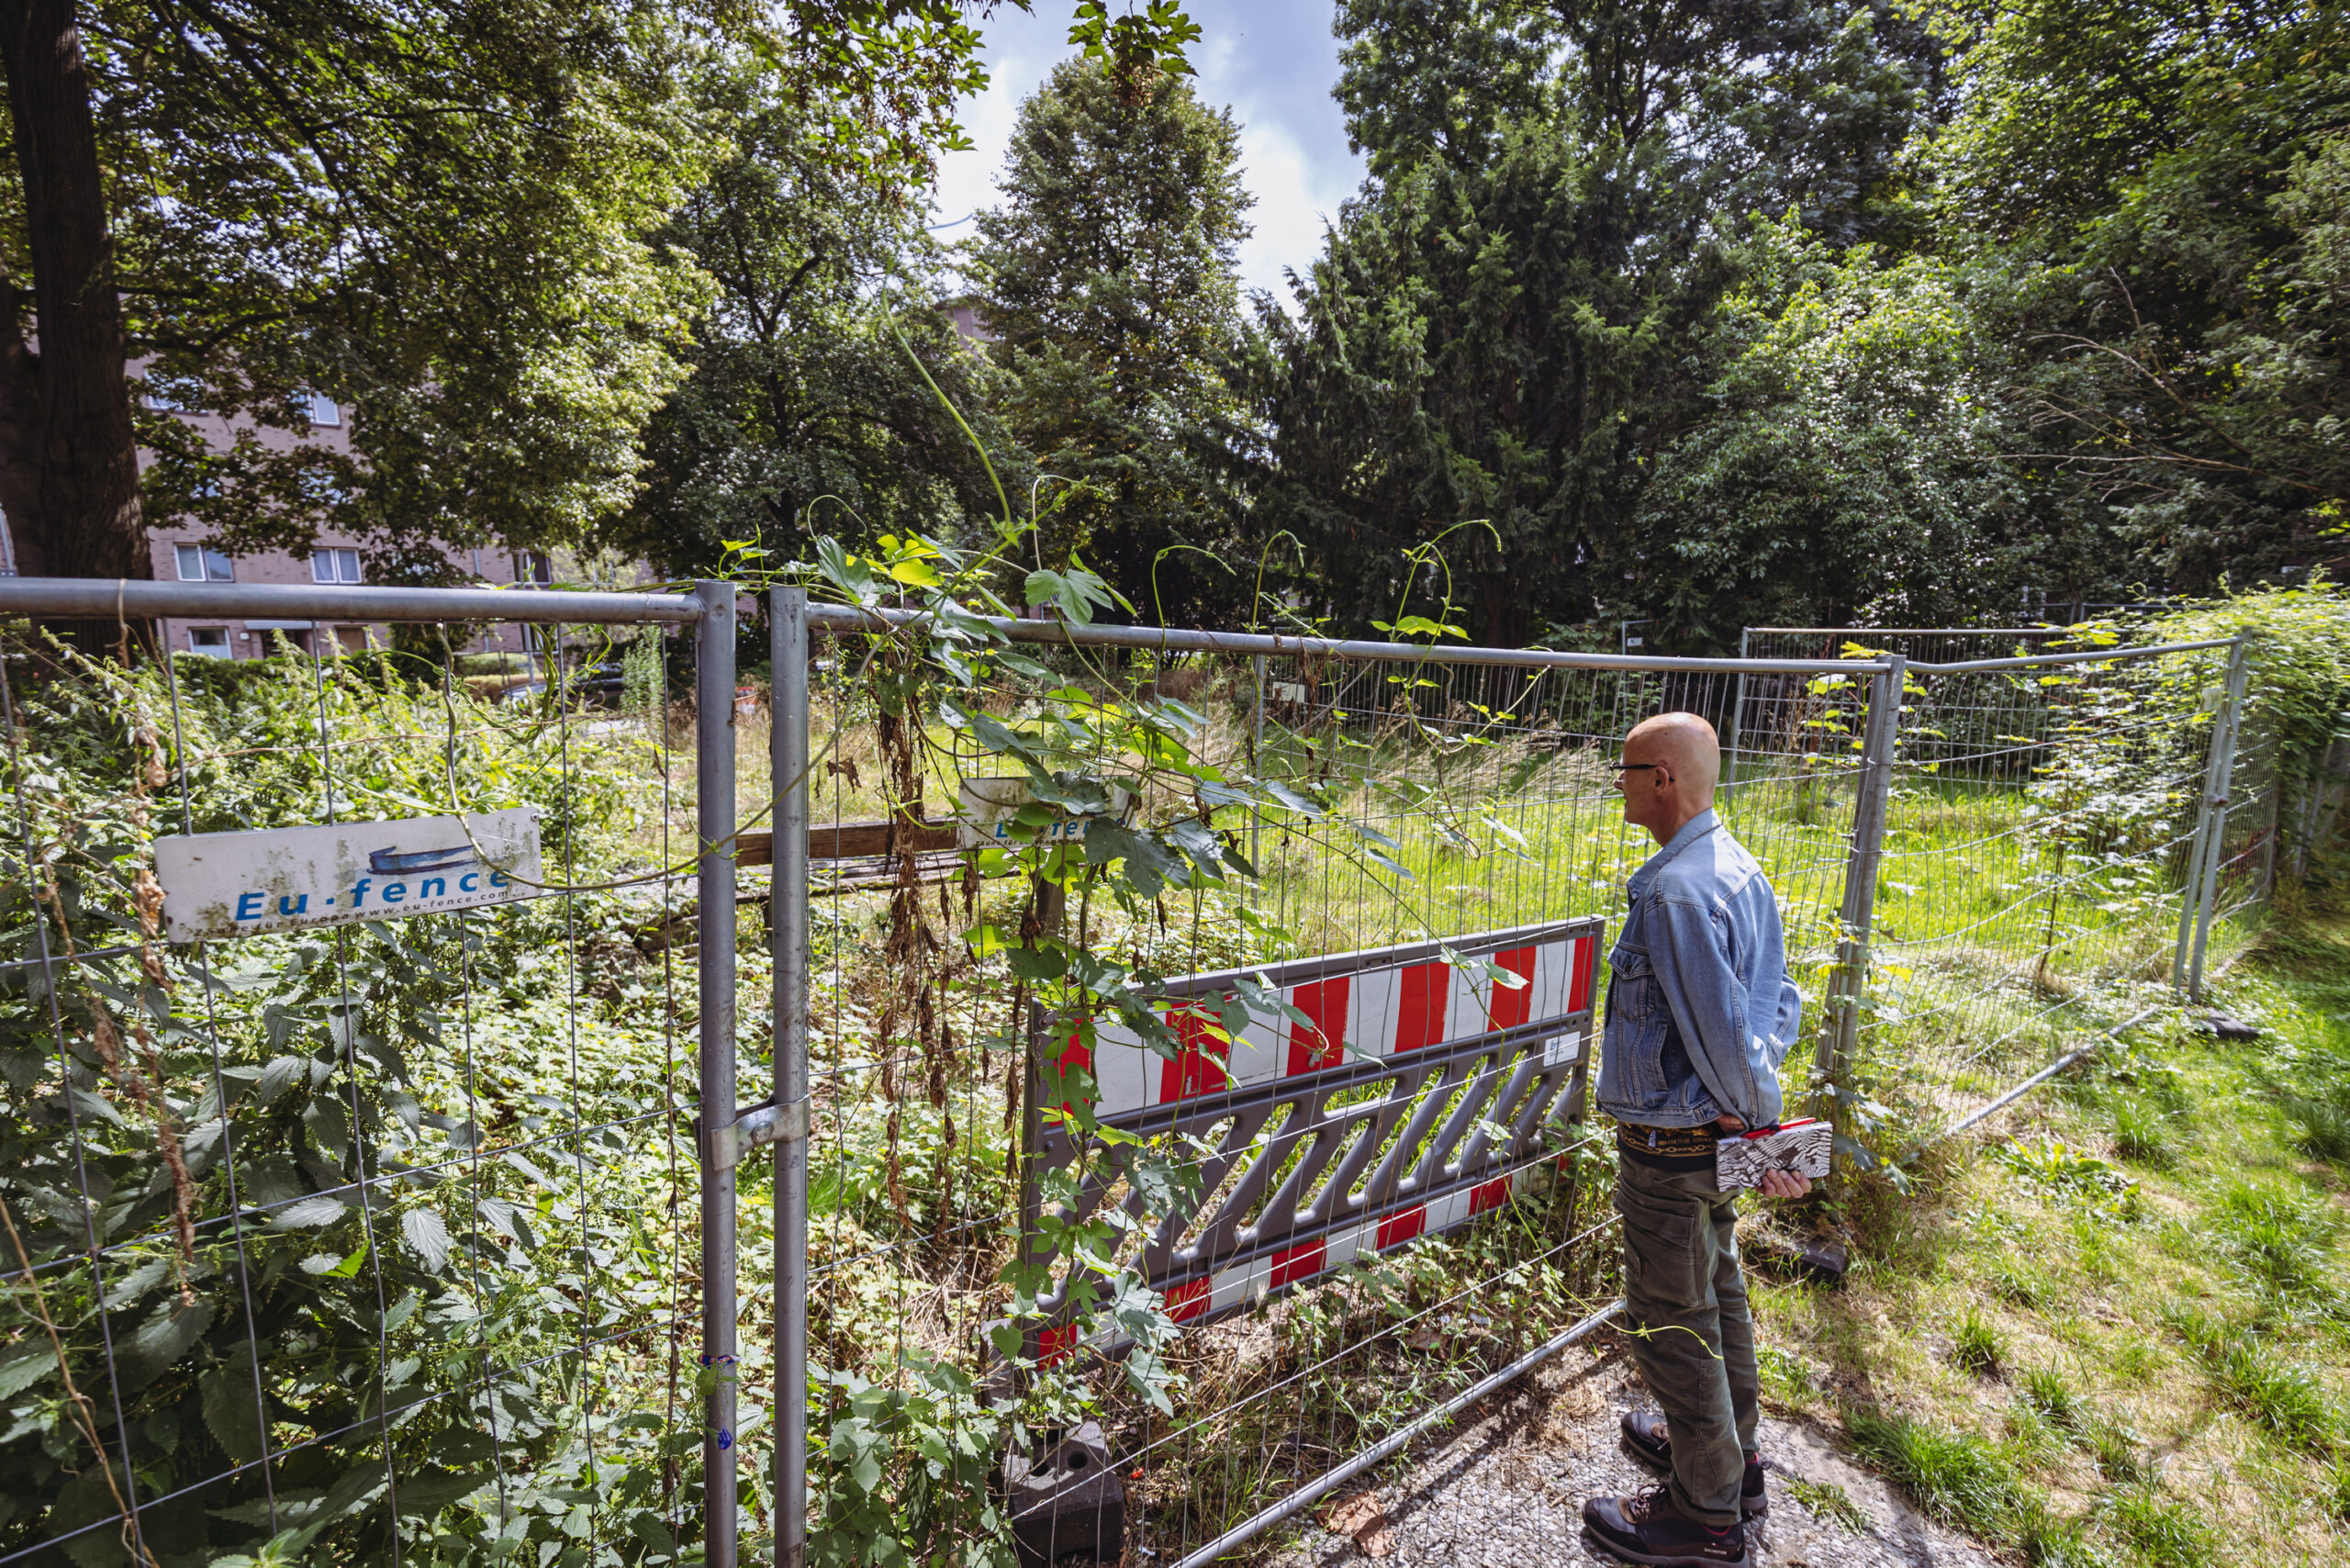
x,y
1685,1308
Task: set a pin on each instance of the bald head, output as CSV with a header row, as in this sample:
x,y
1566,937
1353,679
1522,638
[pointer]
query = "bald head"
x,y
1670,765
1683,742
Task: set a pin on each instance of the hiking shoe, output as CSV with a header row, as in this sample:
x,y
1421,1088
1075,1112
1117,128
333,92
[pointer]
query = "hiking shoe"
x,y
1647,1529
1644,1435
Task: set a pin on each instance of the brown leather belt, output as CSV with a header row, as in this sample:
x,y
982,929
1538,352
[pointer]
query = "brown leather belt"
x,y
1680,1148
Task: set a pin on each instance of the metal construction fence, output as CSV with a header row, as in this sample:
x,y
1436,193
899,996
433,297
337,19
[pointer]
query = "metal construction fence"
x,y
377,1237
1980,864
352,1206
2059,830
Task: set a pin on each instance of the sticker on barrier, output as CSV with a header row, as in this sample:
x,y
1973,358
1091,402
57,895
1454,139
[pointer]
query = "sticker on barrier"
x,y
1364,1128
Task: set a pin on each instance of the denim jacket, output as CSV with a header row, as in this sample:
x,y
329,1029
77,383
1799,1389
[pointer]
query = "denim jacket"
x,y
1700,1006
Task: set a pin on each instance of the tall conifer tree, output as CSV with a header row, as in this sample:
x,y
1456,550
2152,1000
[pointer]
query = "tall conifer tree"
x,y
1511,322
1108,275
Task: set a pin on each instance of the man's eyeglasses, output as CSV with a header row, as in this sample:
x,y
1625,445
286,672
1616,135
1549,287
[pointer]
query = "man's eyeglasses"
x,y
1624,768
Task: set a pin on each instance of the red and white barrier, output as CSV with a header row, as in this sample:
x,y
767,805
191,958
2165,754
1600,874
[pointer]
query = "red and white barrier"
x,y
1381,1012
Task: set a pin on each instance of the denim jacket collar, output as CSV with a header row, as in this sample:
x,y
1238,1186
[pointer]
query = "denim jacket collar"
x,y
1693,830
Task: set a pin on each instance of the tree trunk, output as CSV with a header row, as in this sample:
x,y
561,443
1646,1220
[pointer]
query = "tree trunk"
x,y
68,459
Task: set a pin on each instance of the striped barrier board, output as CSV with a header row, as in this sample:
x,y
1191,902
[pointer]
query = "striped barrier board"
x,y
1354,1133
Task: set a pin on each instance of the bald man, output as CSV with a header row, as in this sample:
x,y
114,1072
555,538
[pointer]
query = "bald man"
x,y
1700,1012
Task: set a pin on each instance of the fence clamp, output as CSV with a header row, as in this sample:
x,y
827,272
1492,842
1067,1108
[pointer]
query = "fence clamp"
x,y
767,1122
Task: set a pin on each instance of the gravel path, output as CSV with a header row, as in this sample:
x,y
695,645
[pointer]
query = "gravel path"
x,y
1506,1490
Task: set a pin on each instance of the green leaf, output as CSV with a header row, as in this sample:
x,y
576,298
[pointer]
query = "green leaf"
x,y
168,1332
229,1410
1199,842
29,1363
307,1213
1033,964
1148,865
428,1236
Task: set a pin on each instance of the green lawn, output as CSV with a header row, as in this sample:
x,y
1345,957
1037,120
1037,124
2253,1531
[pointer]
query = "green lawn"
x,y
2112,1325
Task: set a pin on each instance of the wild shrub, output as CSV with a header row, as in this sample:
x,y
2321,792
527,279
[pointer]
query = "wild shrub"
x,y
208,1122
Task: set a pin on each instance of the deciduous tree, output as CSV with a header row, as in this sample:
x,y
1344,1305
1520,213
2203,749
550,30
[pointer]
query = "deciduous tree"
x,y
806,410
440,213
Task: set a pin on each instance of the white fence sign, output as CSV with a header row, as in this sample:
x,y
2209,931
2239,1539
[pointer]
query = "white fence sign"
x,y
985,809
241,884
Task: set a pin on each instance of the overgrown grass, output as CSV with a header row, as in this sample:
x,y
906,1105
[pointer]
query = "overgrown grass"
x,y
2174,1365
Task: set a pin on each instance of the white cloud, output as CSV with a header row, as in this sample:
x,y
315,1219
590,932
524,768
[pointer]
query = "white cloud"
x,y
1291,208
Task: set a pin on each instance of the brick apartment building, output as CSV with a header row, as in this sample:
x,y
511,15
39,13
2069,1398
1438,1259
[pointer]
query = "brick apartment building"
x,y
182,552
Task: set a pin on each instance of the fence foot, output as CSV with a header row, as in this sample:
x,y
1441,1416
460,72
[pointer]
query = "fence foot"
x,y
1067,1500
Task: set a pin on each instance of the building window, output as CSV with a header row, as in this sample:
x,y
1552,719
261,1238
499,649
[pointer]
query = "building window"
x,y
334,566
324,411
169,395
203,563
208,642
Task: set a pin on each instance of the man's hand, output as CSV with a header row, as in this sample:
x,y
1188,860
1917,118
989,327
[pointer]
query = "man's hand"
x,y
1774,1183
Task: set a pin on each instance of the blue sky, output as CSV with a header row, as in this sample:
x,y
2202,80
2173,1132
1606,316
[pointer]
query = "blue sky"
x,y
1273,63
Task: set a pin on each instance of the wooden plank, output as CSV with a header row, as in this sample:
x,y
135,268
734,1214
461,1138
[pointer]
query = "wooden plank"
x,y
843,841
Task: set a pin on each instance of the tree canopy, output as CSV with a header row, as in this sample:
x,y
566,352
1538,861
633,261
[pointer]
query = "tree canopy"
x,y
1508,325
1693,311
806,409
450,216
1815,312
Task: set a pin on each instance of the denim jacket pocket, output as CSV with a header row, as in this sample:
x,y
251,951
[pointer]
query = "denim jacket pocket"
x,y
1637,1018
1632,983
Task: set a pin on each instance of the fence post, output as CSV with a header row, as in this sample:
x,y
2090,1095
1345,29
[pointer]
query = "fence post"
x,y
787,748
714,826
1257,762
1051,904
2223,746
1737,713
2207,808
1840,1041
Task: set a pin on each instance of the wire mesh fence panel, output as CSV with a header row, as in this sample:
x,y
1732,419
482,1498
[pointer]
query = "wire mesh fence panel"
x,y
1296,1136
348,1030
2039,858
1768,712
2257,821
1919,644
